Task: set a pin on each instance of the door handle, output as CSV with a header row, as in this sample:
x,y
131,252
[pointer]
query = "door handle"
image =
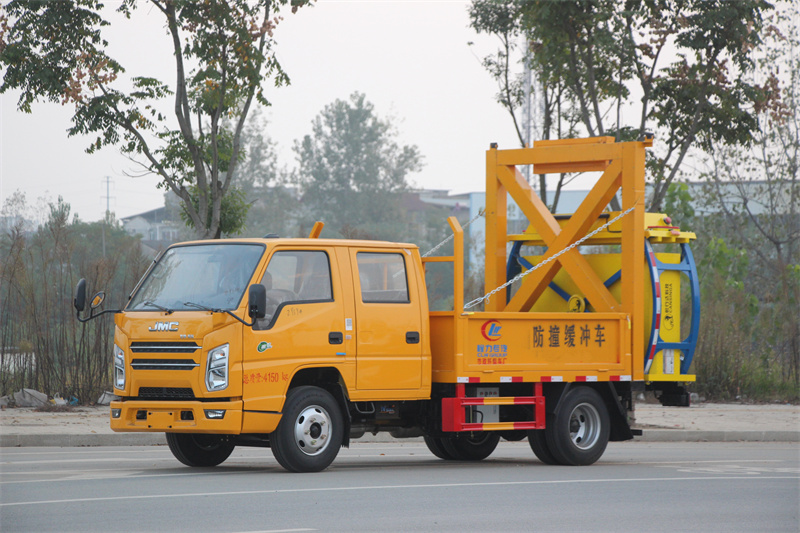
x,y
335,337
412,337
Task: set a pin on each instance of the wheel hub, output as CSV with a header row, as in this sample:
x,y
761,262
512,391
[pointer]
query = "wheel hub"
x,y
584,426
312,429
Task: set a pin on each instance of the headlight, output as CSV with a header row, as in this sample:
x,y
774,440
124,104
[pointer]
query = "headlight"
x,y
119,368
217,368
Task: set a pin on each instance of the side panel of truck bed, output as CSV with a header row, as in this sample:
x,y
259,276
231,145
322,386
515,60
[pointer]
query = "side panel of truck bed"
x,y
486,347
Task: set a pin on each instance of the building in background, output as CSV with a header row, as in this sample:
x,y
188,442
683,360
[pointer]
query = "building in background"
x,y
157,228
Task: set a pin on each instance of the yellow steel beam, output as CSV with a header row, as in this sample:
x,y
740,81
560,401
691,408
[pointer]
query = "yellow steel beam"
x,y
560,154
572,142
458,264
496,231
527,200
633,227
537,213
582,274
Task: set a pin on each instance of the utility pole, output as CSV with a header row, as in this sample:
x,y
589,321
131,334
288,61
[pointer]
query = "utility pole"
x,y
533,112
526,109
108,210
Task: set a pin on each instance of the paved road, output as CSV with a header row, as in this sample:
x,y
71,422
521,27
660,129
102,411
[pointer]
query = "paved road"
x,y
401,487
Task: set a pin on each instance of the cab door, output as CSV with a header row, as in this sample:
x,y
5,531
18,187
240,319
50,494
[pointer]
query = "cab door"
x,y
304,326
388,321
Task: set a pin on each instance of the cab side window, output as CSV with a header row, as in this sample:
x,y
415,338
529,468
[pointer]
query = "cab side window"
x,y
383,277
295,276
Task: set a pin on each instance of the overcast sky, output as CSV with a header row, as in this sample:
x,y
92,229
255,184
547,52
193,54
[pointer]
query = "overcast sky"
x,y
410,58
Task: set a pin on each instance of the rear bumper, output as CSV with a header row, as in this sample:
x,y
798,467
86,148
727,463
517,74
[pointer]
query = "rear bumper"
x,y
176,417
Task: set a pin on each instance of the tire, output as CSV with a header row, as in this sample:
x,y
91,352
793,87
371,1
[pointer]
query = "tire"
x,y
538,443
196,449
474,446
311,431
580,428
436,447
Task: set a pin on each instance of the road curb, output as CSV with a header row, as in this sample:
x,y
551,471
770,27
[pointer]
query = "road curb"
x,y
157,439
677,435
66,441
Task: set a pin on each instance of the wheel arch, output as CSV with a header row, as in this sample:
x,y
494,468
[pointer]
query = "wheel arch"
x,y
331,380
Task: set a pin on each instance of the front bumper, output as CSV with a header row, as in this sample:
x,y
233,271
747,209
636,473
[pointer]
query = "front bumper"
x,y
176,417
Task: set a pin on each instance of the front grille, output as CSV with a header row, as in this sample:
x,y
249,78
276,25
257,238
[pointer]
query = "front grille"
x,y
166,393
164,347
164,364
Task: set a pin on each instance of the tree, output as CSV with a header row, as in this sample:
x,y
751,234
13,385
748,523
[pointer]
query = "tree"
x,y
602,52
222,50
352,171
273,201
504,20
758,194
42,346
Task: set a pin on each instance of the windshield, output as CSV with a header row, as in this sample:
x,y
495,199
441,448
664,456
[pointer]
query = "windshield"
x,y
212,276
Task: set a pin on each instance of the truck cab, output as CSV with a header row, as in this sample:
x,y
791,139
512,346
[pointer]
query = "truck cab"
x,y
349,317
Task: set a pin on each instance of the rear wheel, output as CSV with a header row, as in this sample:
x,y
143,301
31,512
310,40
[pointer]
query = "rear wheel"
x,y
474,446
580,429
436,447
538,443
311,431
198,449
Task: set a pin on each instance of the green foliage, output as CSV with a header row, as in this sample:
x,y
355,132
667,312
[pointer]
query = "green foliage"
x,y
502,19
731,263
678,205
352,171
592,56
756,235
233,211
55,51
273,203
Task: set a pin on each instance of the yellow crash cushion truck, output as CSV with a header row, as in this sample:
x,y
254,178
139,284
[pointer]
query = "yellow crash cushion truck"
x,y
300,345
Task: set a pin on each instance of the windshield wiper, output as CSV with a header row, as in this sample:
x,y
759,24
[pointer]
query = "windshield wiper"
x,y
151,304
210,310
203,307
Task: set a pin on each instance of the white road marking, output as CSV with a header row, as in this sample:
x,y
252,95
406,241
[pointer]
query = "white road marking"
x,y
392,487
692,462
733,469
245,467
280,530
134,474
117,459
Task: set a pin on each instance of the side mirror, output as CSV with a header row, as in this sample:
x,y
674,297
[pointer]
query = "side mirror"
x,y
80,295
257,301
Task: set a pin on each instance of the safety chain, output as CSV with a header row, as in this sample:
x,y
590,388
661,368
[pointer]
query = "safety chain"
x,y
465,226
521,275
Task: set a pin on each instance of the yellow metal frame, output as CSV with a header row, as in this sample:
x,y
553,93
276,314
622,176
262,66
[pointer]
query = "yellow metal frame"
x,y
623,167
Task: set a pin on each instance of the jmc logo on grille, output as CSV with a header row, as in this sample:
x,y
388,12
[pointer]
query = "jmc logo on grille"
x,y
164,326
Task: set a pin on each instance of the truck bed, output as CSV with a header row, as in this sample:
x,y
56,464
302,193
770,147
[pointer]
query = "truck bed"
x,y
498,347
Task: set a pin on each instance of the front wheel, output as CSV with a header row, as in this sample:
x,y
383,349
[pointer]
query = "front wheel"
x,y
198,449
580,429
474,446
311,431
